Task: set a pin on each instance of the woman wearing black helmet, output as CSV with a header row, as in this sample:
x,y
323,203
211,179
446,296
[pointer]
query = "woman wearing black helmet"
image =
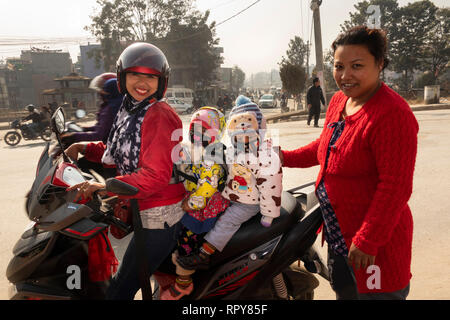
x,y
140,146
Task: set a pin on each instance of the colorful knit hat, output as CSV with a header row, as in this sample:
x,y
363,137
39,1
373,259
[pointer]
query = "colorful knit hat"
x,y
245,106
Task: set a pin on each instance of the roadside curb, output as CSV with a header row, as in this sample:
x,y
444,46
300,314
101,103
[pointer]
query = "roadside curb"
x,y
302,115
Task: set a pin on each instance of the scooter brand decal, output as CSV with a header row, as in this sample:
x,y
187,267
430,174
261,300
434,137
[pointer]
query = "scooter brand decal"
x,y
236,272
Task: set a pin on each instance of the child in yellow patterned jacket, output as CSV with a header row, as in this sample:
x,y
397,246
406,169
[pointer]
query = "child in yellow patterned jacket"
x,y
204,171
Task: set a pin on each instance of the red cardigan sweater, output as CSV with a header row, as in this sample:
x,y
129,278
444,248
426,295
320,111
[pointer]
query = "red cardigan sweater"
x,y
369,181
155,162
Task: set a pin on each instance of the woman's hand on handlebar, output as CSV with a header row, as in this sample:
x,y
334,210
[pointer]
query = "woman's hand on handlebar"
x,y
75,149
86,189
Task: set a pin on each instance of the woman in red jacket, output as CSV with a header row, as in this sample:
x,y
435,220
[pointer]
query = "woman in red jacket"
x,y
366,153
140,147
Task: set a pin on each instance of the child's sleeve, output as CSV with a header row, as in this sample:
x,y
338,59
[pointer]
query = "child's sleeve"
x,y
269,183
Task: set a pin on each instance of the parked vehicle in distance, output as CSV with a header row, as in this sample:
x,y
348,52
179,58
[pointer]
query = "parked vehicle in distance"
x,y
184,94
267,101
179,106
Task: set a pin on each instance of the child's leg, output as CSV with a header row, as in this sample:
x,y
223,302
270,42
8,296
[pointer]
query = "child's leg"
x,y
183,283
216,239
230,222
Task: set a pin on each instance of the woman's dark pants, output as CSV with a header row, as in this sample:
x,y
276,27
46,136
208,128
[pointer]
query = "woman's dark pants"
x,y
159,244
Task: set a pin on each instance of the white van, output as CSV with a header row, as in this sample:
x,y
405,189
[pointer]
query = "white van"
x,y
180,93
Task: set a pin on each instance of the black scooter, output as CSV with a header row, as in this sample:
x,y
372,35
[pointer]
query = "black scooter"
x,y
254,265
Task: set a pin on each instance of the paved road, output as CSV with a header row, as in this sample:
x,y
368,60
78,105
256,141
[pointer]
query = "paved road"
x,y
431,251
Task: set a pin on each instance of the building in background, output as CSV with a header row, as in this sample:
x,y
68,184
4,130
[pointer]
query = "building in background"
x,y
73,92
26,77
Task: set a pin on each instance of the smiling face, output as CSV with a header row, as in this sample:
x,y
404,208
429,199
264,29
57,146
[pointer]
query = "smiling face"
x,y
356,71
141,86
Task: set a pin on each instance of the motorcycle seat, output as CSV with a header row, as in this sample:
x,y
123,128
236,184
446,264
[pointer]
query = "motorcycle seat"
x,y
251,234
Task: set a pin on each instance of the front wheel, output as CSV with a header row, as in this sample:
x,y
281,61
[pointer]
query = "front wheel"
x,y
46,134
12,138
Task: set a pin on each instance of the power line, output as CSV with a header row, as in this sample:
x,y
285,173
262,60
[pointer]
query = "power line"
x,y
218,24
235,15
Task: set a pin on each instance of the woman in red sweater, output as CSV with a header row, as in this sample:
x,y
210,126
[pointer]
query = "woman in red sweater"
x,y
140,145
366,153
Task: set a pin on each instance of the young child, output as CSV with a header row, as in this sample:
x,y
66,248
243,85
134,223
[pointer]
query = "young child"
x,y
254,182
204,172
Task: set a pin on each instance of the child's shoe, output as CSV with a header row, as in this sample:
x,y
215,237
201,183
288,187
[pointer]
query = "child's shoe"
x,y
194,261
176,292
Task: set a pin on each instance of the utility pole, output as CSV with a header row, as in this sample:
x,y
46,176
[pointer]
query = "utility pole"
x,y
307,60
315,4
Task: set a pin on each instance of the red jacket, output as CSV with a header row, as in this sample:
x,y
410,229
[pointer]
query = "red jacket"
x,y
369,181
155,162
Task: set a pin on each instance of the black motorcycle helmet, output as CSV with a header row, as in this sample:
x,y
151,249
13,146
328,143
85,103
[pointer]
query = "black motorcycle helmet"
x,y
30,107
144,58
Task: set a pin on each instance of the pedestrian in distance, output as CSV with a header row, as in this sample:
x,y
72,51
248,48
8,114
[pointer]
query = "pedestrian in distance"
x,y
366,152
140,146
313,98
220,104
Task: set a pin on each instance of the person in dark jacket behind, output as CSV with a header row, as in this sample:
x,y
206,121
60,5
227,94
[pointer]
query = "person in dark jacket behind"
x,y
106,85
313,99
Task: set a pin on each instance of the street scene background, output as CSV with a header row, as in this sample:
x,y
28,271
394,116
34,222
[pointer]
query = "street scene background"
x,y
50,51
429,205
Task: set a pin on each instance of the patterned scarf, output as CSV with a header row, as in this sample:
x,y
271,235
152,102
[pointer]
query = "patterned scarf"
x,y
124,142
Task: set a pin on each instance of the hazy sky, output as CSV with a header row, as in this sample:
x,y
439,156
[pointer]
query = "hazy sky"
x,y
255,40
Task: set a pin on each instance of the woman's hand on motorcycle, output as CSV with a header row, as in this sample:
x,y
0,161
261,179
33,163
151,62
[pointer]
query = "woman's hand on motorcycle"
x,y
67,138
75,149
86,189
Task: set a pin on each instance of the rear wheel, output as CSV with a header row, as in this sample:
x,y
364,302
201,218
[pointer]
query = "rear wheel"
x,y
12,138
300,283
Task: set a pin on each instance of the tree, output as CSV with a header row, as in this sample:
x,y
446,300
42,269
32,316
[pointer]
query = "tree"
x,y
436,50
415,24
328,71
292,70
173,25
389,11
293,77
237,78
297,51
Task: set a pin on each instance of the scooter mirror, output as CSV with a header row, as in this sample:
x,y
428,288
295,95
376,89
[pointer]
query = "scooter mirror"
x,y
121,188
58,121
80,113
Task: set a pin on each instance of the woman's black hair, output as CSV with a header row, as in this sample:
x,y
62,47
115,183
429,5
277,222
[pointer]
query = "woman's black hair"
x,y
374,39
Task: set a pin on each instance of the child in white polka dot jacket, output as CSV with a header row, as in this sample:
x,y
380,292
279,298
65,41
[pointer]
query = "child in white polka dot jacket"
x,y
254,182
